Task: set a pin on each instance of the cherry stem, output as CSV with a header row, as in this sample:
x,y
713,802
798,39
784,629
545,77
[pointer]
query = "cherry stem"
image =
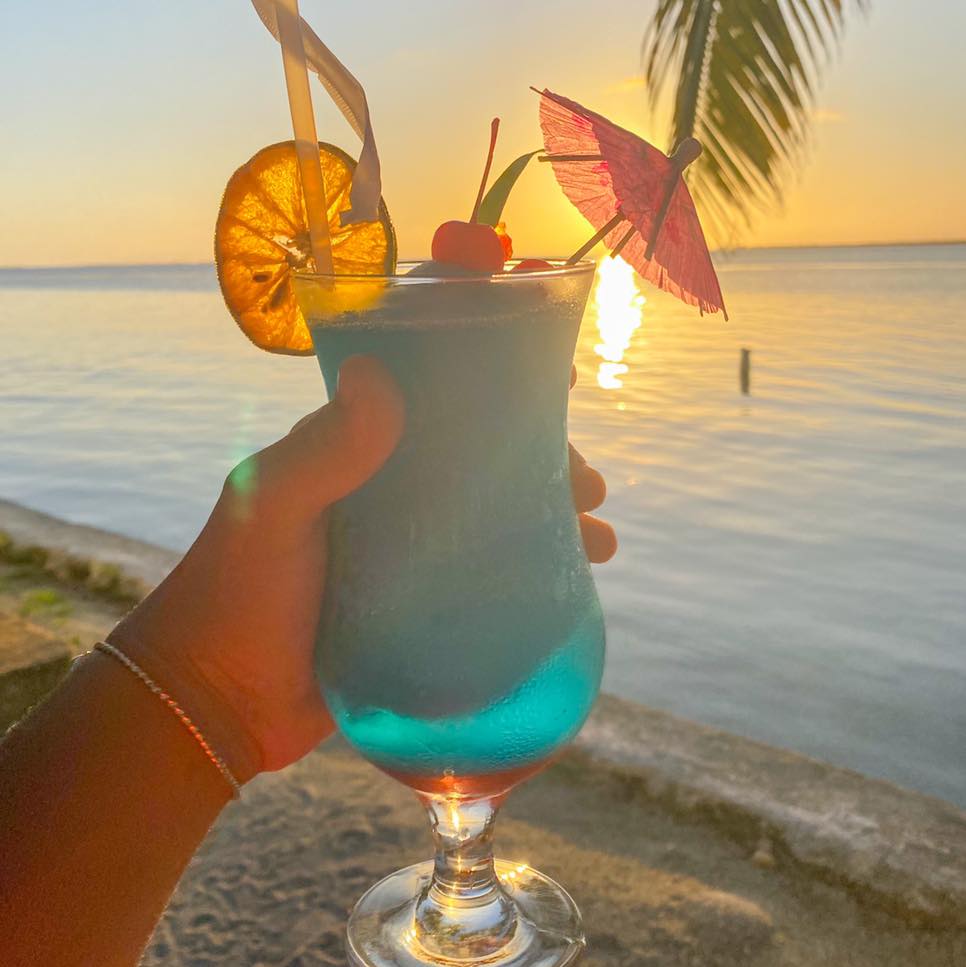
x,y
494,128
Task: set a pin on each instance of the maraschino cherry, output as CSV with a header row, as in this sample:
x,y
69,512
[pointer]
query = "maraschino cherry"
x,y
532,265
472,245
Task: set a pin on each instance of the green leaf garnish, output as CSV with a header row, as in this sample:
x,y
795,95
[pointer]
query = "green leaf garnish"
x,y
491,208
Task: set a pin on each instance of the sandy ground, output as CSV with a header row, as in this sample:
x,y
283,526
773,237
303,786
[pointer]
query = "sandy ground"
x,y
274,881
276,878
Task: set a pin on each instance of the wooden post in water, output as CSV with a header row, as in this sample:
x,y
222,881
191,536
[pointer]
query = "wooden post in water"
x,y
745,371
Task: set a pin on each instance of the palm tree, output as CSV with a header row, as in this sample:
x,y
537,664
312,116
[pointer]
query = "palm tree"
x,y
742,74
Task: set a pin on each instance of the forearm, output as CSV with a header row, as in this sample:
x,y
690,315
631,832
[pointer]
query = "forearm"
x,y
104,798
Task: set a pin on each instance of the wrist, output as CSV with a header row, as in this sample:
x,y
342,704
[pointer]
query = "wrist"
x,y
215,719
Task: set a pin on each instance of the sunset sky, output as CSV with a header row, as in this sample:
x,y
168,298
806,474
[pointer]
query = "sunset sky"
x,y
121,122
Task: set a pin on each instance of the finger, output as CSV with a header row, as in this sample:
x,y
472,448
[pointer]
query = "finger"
x,y
588,485
600,540
333,451
305,419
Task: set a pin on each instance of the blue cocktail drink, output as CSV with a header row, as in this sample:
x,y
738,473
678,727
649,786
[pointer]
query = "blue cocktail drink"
x,y
461,640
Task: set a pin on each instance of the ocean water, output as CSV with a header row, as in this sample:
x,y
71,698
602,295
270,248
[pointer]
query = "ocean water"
x,y
793,562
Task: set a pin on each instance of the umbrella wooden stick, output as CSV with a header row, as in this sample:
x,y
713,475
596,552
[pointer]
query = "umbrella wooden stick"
x,y
628,235
687,151
590,243
571,157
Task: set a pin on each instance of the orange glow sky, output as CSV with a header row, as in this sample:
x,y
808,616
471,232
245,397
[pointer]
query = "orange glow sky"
x,y
123,122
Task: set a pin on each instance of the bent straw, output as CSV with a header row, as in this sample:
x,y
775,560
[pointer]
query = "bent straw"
x,y
306,139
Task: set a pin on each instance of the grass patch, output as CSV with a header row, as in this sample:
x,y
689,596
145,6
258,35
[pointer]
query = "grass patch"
x,y
30,555
31,562
20,573
46,602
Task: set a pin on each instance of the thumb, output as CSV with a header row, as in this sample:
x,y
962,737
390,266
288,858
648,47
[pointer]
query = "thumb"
x,y
338,448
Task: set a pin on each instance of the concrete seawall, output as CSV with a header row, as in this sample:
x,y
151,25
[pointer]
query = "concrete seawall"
x,y
890,847
140,562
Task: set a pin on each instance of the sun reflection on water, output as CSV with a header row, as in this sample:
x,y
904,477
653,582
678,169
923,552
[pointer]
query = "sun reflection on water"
x,y
620,308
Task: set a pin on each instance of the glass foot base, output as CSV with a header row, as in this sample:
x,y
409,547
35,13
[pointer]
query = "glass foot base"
x,y
382,930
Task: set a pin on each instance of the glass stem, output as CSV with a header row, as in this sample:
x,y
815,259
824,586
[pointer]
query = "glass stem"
x,y
463,911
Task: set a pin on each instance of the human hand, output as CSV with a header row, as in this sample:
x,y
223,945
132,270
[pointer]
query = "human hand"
x,y
230,633
589,489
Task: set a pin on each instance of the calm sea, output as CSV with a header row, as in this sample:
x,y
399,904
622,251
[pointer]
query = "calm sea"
x,y
793,562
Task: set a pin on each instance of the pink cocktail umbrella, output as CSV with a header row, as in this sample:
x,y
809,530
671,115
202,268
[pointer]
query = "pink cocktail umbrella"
x,y
635,197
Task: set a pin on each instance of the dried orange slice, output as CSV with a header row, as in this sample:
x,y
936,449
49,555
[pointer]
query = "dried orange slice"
x,y
262,236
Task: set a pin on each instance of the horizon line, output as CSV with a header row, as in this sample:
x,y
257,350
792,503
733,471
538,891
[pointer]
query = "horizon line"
x,y
719,251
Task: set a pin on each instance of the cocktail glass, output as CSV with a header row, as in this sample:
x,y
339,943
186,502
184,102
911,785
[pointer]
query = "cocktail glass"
x,y
461,641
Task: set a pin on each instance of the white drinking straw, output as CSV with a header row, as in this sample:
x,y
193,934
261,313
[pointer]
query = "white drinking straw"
x,y
306,139
349,97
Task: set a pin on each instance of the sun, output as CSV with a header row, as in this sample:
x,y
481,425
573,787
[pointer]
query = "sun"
x,y
620,309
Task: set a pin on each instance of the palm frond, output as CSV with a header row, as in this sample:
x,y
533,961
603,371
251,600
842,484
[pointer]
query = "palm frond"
x,y
742,74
